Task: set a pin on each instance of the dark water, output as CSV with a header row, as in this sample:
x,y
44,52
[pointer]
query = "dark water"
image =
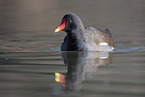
x,y
31,64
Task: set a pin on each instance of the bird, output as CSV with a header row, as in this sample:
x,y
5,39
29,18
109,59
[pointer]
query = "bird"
x,y
80,38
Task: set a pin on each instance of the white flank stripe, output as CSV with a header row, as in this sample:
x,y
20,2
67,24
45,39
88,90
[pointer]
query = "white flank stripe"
x,y
103,43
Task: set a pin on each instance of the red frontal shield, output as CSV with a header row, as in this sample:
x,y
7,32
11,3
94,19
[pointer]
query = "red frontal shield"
x,y
61,26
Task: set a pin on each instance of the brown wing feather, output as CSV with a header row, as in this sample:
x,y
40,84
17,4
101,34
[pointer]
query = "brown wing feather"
x,y
100,35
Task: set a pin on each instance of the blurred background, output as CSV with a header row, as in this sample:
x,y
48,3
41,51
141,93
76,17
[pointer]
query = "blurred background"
x,y
31,64
28,25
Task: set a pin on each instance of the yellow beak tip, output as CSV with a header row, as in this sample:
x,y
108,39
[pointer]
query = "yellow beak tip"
x,y
56,30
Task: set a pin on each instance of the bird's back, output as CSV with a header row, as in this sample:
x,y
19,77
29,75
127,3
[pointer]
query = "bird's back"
x,y
98,38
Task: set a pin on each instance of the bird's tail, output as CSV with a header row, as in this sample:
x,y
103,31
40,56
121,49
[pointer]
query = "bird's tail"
x,y
108,32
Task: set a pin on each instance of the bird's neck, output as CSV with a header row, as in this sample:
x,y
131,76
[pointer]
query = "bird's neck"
x,y
76,40
76,35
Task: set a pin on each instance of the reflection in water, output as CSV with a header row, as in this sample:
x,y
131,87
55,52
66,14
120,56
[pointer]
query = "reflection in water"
x,y
79,64
44,74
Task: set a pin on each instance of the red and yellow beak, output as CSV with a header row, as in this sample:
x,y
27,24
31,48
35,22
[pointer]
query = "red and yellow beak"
x,y
61,26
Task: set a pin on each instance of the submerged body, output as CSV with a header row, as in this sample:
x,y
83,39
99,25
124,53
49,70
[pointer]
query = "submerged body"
x,y
79,38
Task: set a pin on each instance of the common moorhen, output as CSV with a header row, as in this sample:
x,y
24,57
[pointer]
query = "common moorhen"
x,y
79,38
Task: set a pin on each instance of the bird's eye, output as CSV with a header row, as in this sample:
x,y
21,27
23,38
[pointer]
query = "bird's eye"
x,y
69,21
